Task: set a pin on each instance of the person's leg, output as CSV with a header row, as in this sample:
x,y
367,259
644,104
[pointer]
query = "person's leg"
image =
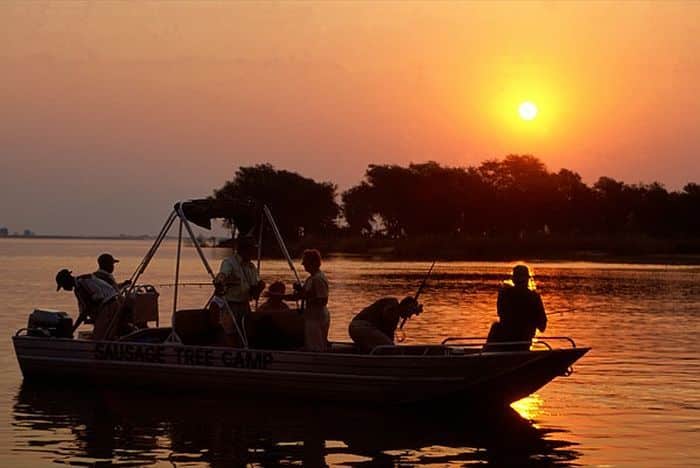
x,y
107,322
313,335
240,311
326,325
366,336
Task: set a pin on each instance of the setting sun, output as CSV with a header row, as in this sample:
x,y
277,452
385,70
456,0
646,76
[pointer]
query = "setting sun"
x,y
527,110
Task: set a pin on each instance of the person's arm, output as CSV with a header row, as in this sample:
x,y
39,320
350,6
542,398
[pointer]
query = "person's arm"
x,y
82,312
318,292
309,291
390,318
226,277
79,321
541,315
225,272
500,303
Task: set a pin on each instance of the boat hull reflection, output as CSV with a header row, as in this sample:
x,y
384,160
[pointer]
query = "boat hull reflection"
x,y
134,426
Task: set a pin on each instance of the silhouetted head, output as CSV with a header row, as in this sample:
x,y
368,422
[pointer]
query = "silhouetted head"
x,y
521,275
246,247
276,290
106,262
64,280
409,306
311,259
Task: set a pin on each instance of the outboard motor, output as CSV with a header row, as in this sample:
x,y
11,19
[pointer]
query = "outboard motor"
x,y
50,323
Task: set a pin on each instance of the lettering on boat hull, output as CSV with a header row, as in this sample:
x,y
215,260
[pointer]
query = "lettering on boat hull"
x,y
185,356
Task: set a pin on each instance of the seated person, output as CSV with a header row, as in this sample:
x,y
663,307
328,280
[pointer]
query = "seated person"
x,y
520,312
274,325
275,298
376,324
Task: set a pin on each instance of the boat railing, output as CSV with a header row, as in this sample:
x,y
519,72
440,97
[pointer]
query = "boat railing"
x,y
459,345
410,350
480,341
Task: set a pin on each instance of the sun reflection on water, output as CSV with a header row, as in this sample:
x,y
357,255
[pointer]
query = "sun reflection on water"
x,y
530,407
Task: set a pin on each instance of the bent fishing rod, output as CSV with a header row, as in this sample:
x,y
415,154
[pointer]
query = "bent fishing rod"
x,y
420,291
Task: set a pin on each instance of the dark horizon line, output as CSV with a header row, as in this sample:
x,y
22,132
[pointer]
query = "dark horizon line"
x,y
85,236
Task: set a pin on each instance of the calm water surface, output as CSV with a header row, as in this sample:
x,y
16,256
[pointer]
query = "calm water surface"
x,y
634,400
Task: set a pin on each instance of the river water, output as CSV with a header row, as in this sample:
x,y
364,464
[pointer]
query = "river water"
x,y
634,400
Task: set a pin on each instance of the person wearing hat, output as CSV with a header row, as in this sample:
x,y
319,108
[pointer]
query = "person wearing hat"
x,y
376,324
97,300
520,312
275,298
106,262
238,282
274,325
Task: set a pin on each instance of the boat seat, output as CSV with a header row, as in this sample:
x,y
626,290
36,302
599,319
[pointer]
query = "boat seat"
x,y
345,348
275,329
196,326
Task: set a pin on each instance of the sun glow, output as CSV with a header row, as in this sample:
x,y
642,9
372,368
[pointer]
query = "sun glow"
x,y
525,115
527,110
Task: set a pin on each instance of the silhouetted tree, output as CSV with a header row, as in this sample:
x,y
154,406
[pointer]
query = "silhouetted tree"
x,y
299,204
513,196
573,202
688,202
357,209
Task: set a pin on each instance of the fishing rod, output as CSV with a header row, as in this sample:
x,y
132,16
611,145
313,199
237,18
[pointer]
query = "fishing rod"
x,y
170,285
418,293
425,280
572,309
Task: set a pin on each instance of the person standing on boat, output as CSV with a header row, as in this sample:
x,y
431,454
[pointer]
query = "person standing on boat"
x,y
240,282
97,300
520,312
376,324
106,262
314,294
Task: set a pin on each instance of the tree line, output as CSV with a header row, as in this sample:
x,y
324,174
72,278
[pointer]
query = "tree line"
x,y
514,196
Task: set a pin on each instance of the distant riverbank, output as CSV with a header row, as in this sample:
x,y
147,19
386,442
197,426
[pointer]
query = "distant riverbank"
x,y
37,236
624,249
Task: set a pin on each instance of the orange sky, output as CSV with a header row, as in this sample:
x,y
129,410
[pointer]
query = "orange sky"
x,y
110,111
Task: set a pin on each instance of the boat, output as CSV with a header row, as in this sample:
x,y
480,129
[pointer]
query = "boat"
x,y
459,370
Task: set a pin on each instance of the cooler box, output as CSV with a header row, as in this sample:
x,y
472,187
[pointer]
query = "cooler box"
x,y
143,302
45,322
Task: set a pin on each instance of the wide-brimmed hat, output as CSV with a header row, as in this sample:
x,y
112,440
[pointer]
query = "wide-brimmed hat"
x,y
276,289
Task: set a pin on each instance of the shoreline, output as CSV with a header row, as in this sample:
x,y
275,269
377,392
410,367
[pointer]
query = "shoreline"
x,y
60,237
474,250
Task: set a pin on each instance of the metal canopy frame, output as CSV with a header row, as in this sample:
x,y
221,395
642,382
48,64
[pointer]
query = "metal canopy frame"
x,y
178,213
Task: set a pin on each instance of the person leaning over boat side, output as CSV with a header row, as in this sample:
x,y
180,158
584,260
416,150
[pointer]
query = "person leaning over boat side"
x,y
520,312
97,300
314,293
240,282
376,324
106,262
